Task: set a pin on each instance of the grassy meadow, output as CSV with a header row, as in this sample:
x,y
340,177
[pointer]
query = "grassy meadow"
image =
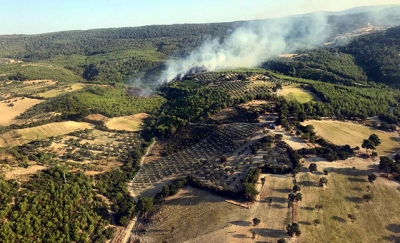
x,y
295,93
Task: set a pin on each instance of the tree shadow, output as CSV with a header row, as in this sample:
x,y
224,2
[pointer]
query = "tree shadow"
x,y
272,233
339,219
241,236
278,206
307,208
357,189
305,223
241,223
395,228
356,179
349,171
283,190
354,199
392,238
320,173
278,200
157,230
309,183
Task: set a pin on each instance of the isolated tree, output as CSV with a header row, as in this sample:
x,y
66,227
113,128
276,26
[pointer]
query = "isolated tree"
x,y
352,217
223,158
323,181
372,177
317,222
386,164
281,240
279,137
326,172
250,192
262,180
368,144
293,229
374,138
256,221
296,188
319,207
146,204
295,197
367,197
312,167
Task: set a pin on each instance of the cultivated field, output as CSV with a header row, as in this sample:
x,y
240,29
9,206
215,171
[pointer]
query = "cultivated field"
x,y
294,92
128,123
51,130
21,136
8,113
353,134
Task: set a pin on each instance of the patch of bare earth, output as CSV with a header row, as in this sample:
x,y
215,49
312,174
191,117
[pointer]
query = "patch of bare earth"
x,y
19,105
97,117
17,172
253,103
44,81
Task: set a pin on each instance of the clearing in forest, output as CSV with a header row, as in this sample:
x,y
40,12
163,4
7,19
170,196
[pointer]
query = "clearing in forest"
x,y
353,134
129,123
19,105
61,90
295,93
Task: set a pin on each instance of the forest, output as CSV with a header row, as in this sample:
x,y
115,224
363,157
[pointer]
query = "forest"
x,y
55,205
374,57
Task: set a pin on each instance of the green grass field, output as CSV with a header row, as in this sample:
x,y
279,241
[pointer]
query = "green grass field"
x,y
353,134
61,90
295,93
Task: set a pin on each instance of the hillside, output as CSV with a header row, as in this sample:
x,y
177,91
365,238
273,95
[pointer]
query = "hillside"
x,y
379,55
122,54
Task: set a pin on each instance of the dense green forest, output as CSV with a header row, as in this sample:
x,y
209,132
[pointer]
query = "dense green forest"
x,y
373,57
110,101
379,55
54,206
327,65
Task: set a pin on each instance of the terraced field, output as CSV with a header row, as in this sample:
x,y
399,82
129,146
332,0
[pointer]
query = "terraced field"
x,y
20,136
201,160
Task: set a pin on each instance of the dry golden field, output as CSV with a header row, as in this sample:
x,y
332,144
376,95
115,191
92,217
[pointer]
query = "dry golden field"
x,y
353,134
9,113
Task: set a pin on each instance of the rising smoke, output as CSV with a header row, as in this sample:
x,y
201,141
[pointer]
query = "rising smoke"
x,y
251,44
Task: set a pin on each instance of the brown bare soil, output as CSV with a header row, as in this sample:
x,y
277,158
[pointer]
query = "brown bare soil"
x,y
8,113
18,172
46,81
97,117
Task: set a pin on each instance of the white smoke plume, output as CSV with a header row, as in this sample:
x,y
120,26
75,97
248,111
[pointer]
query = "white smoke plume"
x,y
252,44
